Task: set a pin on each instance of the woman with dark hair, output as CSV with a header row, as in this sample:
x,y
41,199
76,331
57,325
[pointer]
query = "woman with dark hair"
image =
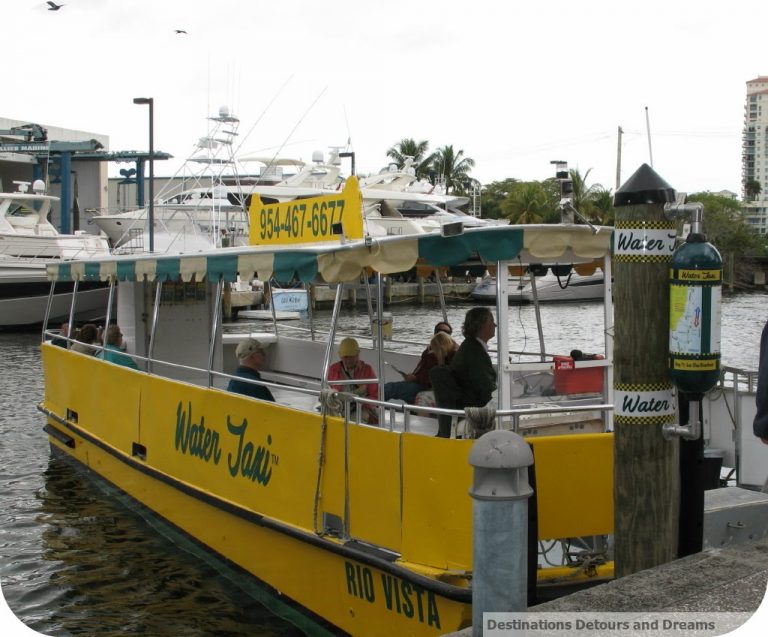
x,y
470,379
85,340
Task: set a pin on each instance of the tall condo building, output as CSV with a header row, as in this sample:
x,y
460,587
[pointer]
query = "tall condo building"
x,y
754,170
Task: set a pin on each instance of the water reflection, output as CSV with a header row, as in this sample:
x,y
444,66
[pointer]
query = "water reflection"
x,y
76,561
105,571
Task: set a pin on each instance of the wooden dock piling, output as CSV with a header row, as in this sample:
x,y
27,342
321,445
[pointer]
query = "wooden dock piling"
x,y
646,470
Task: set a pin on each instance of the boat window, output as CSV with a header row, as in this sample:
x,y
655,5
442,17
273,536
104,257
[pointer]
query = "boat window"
x,y
387,210
20,210
415,209
235,199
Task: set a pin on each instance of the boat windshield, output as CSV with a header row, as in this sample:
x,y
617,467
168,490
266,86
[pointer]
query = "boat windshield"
x,y
20,210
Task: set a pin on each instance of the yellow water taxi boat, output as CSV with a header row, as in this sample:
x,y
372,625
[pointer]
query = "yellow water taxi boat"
x,y
366,527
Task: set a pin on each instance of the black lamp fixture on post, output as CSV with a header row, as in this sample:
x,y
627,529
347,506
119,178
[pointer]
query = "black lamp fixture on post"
x,y
151,215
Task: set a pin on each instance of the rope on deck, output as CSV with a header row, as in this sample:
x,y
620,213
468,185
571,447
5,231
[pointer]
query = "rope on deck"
x,y
479,420
331,402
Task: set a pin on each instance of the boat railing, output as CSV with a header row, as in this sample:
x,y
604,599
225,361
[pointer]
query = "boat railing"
x,y
505,418
179,220
395,416
739,379
289,386
37,251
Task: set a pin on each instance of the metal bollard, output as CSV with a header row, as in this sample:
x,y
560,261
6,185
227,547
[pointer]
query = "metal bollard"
x,y
500,491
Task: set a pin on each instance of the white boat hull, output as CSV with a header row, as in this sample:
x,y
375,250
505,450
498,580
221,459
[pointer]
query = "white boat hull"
x,y
548,289
26,311
24,292
266,315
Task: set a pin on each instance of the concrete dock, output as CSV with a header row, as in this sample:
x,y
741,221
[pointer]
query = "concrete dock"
x,y
723,580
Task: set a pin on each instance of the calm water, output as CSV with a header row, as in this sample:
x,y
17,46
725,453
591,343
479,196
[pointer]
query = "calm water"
x,y
75,560
566,326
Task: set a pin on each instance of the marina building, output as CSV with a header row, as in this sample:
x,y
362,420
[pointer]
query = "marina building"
x,y
73,165
67,160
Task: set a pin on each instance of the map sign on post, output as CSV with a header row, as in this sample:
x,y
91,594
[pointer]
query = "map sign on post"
x,y
308,220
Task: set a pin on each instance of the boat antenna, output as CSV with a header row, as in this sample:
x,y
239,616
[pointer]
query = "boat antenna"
x,y
648,130
293,130
261,115
349,133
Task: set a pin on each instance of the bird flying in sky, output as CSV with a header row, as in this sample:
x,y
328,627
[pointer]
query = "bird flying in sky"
x,y
180,31
52,6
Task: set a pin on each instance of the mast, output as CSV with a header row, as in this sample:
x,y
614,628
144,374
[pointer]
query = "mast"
x,y
648,130
618,159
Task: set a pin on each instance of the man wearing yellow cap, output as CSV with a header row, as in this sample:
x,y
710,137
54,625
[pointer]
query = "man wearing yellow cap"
x,y
350,367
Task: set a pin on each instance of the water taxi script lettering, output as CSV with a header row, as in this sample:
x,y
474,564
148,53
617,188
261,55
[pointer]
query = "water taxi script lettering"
x,y
628,242
637,404
249,461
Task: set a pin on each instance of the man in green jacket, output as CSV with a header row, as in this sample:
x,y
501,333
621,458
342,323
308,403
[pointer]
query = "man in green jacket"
x,y
470,379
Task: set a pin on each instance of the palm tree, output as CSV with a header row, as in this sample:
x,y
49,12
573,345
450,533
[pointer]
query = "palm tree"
x,y
593,202
527,202
452,167
409,147
752,189
583,194
493,195
601,208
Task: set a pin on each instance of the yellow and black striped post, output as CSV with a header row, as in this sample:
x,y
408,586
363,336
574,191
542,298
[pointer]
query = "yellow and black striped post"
x,y
646,476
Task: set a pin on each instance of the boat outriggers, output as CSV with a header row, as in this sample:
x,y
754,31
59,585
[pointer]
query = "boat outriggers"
x,y
367,527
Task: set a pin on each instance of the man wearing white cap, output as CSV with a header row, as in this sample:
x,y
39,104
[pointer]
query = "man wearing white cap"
x,y
251,356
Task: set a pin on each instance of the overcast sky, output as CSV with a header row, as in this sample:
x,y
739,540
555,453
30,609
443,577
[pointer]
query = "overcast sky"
x,y
513,84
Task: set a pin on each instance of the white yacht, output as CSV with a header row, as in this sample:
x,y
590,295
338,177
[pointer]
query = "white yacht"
x,y
209,208
27,242
395,201
550,288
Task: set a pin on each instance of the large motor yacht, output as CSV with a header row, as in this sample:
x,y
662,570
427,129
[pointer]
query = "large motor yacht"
x,y
28,241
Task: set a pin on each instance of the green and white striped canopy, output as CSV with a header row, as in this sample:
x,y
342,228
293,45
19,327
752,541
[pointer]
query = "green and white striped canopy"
x,y
545,244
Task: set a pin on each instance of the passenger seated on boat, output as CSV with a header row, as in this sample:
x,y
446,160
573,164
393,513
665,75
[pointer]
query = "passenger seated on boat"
x,y
439,352
350,367
85,340
113,349
470,379
61,339
251,356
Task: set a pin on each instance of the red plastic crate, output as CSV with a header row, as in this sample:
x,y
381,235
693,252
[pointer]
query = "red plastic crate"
x,y
569,379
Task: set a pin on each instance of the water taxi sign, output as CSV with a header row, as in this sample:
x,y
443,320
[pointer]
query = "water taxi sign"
x,y
308,220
